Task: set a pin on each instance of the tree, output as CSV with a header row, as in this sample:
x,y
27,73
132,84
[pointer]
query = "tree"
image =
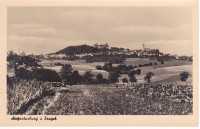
x,y
99,78
107,66
99,67
75,78
113,77
125,80
130,67
45,75
122,68
184,76
132,77
148,77
22,73
66,72
87,77
138,71
162,61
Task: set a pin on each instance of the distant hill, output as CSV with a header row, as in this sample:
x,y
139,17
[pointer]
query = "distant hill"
x,y
80,49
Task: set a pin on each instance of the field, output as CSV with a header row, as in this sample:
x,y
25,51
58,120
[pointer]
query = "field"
x,y
162,71
167,63
141,99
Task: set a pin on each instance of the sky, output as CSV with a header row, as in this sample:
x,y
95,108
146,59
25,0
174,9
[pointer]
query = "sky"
x,y
41,30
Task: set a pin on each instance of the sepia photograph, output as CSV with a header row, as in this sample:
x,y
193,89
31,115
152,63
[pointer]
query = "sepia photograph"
x,y
99,61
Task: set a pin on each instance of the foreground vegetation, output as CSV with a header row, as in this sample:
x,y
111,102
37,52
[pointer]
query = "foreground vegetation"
x,y
141,99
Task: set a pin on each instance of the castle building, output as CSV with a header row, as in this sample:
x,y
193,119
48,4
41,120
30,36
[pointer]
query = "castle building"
x,y
101,46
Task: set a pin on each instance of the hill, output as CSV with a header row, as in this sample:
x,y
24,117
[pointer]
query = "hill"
x,y
81,49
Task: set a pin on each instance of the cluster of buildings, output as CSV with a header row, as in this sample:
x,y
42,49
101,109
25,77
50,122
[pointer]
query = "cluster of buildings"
x,y
105,49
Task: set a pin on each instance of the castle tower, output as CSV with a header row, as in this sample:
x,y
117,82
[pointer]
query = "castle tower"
x,y
143,46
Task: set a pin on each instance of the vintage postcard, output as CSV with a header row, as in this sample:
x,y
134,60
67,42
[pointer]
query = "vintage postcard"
x,y
95,63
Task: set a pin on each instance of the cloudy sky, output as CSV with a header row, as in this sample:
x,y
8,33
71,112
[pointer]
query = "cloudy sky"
x,y
48,29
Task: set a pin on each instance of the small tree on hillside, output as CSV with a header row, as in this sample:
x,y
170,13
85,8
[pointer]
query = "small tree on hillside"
x,y
148,77
184,76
